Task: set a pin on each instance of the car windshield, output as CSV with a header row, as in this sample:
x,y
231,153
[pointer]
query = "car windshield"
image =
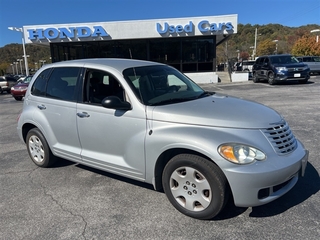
x,y
27,80
283,59
161,84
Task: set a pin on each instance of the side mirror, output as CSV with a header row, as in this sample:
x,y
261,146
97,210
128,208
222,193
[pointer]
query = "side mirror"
x,y
114,102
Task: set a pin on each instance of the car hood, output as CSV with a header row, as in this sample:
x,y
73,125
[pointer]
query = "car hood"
x,y
21,85
216,110
291,65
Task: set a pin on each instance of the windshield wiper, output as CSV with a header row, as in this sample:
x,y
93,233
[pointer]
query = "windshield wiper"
x,y
177,100
205,94
171,100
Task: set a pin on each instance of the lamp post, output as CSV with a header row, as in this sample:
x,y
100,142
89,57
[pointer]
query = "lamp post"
x,y
316,30
276,41
42,61
16,63
12,69
20,60
252,56
255,44
23,45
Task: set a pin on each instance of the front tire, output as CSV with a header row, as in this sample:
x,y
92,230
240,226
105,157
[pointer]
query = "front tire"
x,y
38,149
271,80
195,186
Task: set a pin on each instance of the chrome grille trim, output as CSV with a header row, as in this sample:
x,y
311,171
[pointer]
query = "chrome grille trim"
x,y
300,69
281,138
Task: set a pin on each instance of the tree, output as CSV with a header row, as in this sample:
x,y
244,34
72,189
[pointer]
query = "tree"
x,y
306,46
266,47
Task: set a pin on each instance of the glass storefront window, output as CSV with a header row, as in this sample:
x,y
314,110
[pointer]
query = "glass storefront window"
x,y
192,54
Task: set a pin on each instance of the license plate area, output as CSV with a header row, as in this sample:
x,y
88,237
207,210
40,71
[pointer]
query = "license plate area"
x,y
297,75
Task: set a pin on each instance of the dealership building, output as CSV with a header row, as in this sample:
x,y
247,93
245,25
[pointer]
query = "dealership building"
x,y
188,44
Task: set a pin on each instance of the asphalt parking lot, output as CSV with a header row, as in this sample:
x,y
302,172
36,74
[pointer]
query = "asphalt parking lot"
x,y
71,201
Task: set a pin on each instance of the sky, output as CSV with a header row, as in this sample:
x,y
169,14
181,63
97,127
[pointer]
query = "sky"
x,y
19,13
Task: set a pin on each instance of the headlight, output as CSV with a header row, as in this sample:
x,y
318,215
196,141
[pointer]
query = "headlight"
x,y
240,154
280,69
12,88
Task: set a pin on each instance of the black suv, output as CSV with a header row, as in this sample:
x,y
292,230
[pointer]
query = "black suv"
x,y
276,68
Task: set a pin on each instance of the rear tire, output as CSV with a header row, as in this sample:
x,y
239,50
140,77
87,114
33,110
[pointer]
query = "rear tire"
x,y
195,186
38,149
255,78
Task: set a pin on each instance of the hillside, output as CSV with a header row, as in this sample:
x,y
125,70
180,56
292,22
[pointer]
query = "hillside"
x,y
244,40
11,52
240,43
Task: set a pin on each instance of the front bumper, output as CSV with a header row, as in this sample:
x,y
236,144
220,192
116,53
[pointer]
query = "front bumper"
x,y
18,93
263,182
281,76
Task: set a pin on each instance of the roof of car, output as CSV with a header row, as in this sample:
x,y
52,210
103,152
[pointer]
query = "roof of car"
x,y
116,63
275,55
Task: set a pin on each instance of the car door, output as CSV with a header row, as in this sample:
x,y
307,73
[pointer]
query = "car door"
x,y
258,67
112,140
53,100
313,64
316,61
265,67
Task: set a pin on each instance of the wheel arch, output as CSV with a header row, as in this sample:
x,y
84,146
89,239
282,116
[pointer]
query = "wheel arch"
x,y
26,128
165,157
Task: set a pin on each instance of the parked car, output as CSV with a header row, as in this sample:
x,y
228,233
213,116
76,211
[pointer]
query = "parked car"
x,y
6,82
313,63
279,68
149,122
247,65
18,91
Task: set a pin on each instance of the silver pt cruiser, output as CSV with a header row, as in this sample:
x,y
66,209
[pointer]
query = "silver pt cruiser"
x,y
149,122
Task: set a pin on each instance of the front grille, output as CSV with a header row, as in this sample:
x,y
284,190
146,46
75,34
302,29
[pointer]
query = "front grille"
x,y
281,138
298,69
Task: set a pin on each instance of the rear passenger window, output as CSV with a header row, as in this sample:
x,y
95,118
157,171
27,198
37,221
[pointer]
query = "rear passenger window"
x,y
39,86
62,83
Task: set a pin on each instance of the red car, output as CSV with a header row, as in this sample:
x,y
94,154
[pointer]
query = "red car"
x,y
19,90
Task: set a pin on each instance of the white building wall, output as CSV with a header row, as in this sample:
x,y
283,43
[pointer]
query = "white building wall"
x,y
137,29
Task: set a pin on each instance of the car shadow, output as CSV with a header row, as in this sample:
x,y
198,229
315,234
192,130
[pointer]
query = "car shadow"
x,y
61,162
116,177
304,189
289,82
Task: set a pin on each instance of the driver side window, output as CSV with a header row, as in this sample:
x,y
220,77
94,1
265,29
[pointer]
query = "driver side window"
x,y
99,85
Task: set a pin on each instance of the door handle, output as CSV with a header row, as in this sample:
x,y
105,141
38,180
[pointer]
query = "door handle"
x,y
83,115
42,107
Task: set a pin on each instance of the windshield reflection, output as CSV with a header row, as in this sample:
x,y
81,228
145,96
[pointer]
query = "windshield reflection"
x,y
161,84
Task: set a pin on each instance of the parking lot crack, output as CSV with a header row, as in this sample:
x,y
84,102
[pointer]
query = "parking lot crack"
x,y
56,201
